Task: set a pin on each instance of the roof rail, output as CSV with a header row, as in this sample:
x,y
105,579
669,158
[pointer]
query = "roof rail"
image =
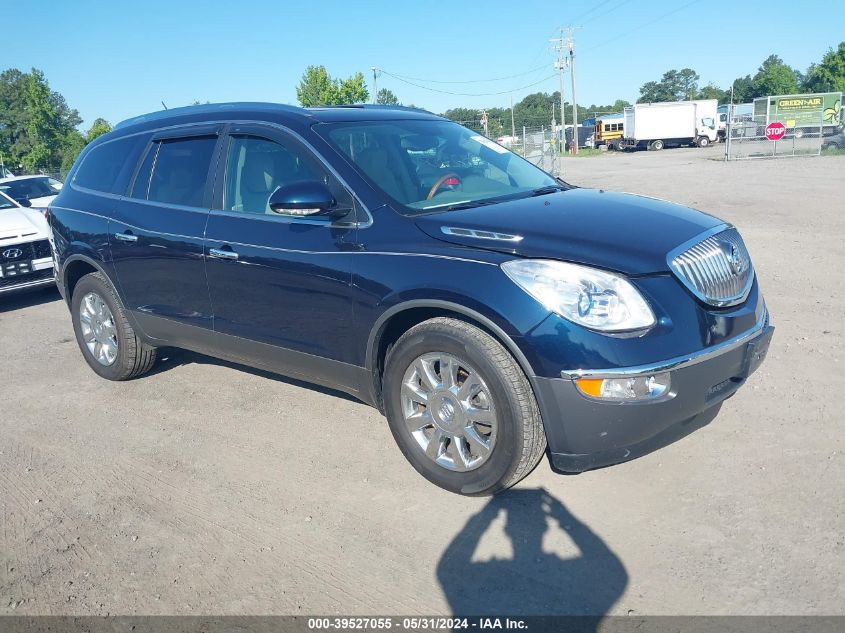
x,y
210,108
372,106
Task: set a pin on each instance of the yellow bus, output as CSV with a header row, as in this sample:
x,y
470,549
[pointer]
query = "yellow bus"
x,y
609,130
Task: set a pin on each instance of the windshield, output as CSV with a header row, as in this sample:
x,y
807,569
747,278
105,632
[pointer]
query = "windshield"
x,y
29,188
6,202
434,165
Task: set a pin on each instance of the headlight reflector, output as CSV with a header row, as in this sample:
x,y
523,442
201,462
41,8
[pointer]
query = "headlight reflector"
x,y
587,296
634,388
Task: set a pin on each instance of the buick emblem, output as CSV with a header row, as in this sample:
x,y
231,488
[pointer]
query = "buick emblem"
x,y
12,253
735,261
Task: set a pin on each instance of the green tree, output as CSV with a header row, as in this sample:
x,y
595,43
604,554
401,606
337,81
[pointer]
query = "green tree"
x,y
829,75
351,90
98,128
744,90
317,88
71,145
386,97
37,127
675,85
712,91
42,125
775,78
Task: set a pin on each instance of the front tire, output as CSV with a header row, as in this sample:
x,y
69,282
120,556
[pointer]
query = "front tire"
x,y
703,141
107,341
461,409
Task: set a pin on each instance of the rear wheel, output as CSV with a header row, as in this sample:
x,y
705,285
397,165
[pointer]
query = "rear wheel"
x,y
656,146
461,409
108,343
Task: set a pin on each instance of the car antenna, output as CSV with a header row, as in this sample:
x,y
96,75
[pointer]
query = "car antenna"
x,y
163,105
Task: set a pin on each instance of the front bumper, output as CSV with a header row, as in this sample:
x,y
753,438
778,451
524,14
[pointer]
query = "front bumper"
x,y
41,276
585,433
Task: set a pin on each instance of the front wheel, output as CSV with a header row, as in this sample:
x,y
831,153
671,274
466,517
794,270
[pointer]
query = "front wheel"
x,y
703,141
461,409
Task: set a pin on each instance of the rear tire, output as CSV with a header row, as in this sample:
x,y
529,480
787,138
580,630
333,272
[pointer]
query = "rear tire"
x,y
656,146
434,425
107,341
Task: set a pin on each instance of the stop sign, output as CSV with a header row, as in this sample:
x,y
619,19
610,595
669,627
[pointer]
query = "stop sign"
x,y
775,131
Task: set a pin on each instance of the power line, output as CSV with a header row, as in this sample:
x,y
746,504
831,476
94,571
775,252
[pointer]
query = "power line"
x,y
589,11
604,13
641,26
467,81
467,94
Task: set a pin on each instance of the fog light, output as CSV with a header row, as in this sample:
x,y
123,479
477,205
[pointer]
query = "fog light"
x,y
626,389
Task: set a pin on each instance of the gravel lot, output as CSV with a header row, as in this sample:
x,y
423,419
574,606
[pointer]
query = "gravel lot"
x,y
210,488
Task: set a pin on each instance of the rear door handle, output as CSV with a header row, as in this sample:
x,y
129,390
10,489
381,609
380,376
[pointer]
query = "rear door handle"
x,y
126,237
222,254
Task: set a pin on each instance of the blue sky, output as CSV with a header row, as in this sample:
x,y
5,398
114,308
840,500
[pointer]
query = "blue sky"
x,y
119,59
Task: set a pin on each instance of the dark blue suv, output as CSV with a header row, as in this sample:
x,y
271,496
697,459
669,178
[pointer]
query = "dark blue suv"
x,y
487,308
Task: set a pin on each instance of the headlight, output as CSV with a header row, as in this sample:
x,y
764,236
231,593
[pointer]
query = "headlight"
x,y
587,296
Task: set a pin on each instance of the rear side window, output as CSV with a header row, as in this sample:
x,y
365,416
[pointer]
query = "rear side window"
x,y
106,167
179,171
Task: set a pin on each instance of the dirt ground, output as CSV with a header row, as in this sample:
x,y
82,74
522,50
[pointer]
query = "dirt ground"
x,y
209,488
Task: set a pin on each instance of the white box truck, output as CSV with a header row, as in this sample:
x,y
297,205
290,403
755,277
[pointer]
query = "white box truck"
x,y
671,124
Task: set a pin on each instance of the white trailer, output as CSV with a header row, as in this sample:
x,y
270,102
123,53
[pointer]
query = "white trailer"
x,y
671,124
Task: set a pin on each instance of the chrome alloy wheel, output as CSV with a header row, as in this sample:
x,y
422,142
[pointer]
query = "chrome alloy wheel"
x,y
449,411
98,328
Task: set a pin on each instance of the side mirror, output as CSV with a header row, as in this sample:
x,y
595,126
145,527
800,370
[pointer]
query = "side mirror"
x,y
24,202
304,198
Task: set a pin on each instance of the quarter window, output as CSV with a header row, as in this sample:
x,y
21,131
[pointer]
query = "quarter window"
x,y
180,171
102,167
258,166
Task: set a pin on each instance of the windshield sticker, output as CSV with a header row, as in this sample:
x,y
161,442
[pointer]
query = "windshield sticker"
x,y
486,142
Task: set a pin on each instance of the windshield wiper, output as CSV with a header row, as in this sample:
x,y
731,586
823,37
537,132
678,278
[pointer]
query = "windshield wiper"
x,y
470,204
542,191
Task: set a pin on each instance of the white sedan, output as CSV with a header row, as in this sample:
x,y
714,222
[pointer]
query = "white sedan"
x,y
38,191
26,259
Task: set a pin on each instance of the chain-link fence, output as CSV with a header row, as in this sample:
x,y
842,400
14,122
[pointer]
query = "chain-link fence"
x,y
746,134
540,146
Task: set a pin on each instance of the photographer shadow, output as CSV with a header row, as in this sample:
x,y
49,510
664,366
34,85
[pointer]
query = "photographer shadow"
x,y
533,582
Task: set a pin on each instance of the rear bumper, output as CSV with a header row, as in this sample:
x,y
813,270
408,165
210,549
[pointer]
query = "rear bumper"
x,y
585,433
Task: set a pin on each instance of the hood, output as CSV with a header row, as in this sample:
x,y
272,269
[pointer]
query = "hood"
x,y
21,223
43,202
617,231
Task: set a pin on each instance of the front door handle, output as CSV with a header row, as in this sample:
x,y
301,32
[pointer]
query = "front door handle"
x,y
126,237
222,254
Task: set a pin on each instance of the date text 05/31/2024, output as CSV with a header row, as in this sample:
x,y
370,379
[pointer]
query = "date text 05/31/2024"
x,y
415,623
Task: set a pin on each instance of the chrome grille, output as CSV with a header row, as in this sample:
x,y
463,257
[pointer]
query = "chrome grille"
x,y
716,269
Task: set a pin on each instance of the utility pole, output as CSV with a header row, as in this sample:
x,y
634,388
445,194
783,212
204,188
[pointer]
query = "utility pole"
x,y
559,45
375,85
484,123
513,125
574,105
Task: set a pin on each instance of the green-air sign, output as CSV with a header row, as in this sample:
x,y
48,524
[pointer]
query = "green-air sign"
x,y
801,110
792,104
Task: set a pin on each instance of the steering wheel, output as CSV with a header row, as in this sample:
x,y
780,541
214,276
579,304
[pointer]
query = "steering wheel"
x,y
440,182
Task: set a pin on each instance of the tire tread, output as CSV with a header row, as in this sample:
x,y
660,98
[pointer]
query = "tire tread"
x,y
139,356
528,413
